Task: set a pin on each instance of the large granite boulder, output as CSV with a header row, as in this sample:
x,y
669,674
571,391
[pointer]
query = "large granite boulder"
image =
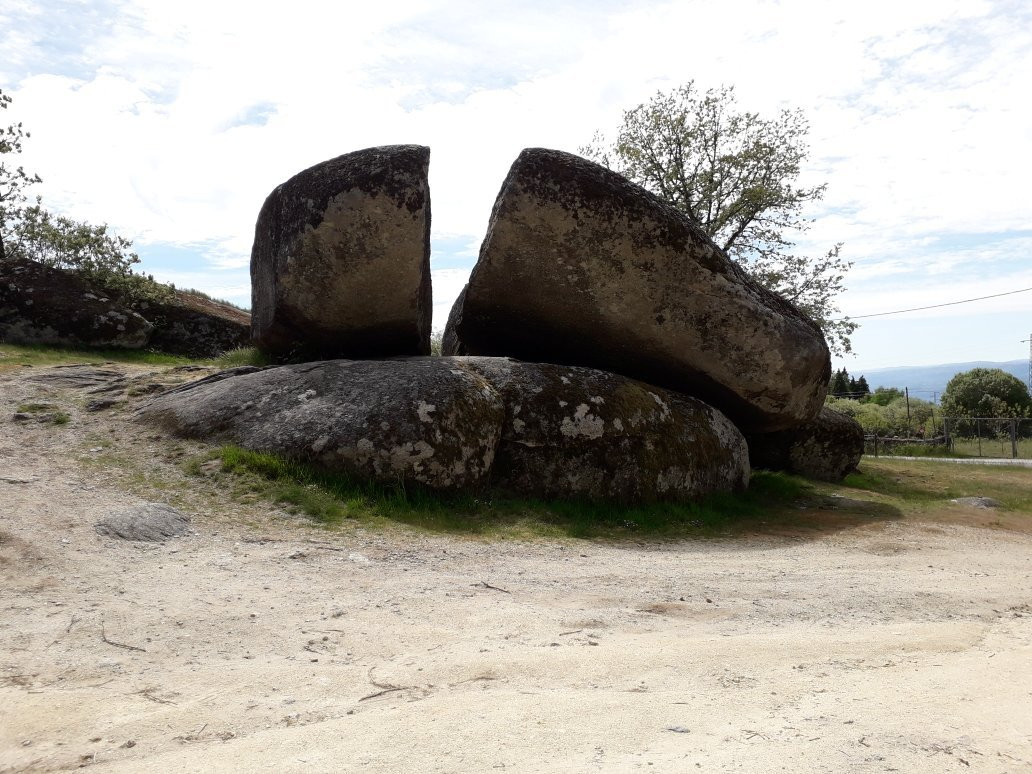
x,y
420,420
458,423
340,265
827,447
53,307
574,432
581,266
195,326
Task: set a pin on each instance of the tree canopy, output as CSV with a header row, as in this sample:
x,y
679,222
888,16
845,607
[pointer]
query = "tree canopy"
x,y
14,180
29,231
735,175
845,386
986,392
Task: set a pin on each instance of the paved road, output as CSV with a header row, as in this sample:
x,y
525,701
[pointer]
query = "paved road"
x,y
962,460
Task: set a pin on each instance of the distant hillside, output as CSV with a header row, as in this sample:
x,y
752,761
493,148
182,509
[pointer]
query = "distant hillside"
x,y
923,381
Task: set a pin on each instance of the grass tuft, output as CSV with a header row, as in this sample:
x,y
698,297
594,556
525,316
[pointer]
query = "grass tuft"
x,y
242,356
34,408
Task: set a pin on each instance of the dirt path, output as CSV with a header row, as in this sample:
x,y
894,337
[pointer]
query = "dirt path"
x,y
263,643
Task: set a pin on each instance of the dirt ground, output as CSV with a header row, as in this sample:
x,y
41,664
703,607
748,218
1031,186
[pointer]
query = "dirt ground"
x,y
263,642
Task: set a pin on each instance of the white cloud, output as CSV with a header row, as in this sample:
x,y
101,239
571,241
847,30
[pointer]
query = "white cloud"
x,y
140,115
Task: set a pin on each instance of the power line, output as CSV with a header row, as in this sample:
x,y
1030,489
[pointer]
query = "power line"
x,y
936,306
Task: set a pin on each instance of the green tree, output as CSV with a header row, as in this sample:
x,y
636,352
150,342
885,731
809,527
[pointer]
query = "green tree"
x,y
839,383
14,180
863,389
734,174
30,232
883,396
986,392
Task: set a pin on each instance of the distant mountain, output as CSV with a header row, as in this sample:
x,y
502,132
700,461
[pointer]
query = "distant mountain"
x,y
925,381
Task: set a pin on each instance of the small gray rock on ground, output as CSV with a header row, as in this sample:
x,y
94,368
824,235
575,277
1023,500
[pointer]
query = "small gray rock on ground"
x,y
977,502
147,522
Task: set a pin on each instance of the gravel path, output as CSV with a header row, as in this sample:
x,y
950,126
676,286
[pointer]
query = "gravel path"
x,y
260,642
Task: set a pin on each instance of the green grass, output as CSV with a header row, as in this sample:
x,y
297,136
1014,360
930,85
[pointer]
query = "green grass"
x,y
997,447
35,408
924,484
56,417
16,355
331,498
962,447
242,356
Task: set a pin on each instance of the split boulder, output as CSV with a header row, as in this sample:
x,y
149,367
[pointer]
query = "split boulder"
x,y
581,266
340,265
581,433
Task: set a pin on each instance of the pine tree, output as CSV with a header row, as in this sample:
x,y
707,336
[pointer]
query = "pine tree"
x,y
862,387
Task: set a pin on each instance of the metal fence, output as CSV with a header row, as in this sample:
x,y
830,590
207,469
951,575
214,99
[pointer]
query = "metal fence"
x,y
961,437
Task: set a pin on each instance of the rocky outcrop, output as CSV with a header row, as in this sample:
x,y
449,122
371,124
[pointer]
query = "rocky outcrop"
x,y
340,265
195,326
41,305
458,423
58,307
580,266
827,447
582,433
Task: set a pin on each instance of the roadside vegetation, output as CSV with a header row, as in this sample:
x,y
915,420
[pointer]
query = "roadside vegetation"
x,y
333,499
917,486
17,355
775,503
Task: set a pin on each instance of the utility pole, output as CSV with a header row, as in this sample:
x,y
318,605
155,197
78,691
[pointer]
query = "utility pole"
x,y
906,391
1029,340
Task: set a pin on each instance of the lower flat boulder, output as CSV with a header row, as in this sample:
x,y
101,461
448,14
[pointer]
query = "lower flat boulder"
x,y
460,423
827,447
582,433
418,420
53,307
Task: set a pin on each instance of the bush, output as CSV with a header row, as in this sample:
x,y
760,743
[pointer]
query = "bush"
x,y
986,392
889,419
104,258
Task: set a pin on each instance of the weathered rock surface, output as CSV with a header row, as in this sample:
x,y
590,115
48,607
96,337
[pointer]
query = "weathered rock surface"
x,y
977,502
580,266
194,326
422,420
147,522
40,305
574,432
341,260
827,447
458,423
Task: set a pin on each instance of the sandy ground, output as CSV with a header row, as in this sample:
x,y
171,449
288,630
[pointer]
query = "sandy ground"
x,y
263,643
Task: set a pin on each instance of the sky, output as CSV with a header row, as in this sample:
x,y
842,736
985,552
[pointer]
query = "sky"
x,y
173,121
